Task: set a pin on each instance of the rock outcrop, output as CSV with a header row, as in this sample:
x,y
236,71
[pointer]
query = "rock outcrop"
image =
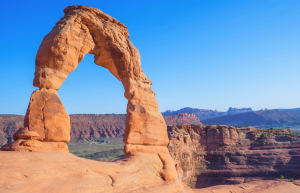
x,y
213,155
23,172
47,116
26,140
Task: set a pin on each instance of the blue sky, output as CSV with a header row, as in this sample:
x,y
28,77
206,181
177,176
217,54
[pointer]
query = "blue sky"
x,y
211,54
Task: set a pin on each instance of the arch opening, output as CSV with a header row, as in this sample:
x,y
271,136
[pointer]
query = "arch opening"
x,y
91,89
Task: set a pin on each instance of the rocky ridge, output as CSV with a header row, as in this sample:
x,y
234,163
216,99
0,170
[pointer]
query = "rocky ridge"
x,y
214,155
204,114
268,118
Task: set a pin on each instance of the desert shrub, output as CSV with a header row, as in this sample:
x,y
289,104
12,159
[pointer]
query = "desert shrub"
x,y
247,125
218,124
272,129
281,177
292,180
277,133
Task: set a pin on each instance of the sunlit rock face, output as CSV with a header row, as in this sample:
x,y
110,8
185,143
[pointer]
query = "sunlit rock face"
x,y
88,30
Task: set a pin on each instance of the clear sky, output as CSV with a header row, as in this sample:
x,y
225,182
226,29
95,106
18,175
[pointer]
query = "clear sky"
x,y
211,54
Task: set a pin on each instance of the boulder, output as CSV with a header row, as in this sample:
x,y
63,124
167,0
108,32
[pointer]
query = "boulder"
x,y
23,133
47,116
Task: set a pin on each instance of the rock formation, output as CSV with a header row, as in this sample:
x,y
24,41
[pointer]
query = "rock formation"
x,y
213,155
47,125
88,30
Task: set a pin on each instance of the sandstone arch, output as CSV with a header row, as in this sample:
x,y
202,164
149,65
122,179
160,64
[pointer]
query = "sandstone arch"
x,y
47,125
88,30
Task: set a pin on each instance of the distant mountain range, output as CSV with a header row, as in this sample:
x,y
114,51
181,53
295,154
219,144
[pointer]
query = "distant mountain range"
x,y
288,118
263,118
204,114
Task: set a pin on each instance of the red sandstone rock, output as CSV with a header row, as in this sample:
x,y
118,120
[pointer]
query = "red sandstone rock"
x,y
88,30
32,145
47,116
168,172
63,172
23,133
214,155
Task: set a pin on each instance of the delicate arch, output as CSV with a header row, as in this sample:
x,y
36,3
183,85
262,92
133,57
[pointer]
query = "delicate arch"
x,y
88,30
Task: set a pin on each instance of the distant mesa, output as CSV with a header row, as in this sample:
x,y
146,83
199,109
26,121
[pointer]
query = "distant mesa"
x,y
232,111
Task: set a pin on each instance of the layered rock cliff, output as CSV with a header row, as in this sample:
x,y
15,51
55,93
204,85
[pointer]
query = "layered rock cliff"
x,y
89,127
214,155
9,124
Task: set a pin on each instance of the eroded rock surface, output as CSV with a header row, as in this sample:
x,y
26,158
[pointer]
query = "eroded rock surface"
x,y
63,173
47,116
214,155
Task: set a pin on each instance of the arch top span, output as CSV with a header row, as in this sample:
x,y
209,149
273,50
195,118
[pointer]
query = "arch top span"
x,y
85,30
